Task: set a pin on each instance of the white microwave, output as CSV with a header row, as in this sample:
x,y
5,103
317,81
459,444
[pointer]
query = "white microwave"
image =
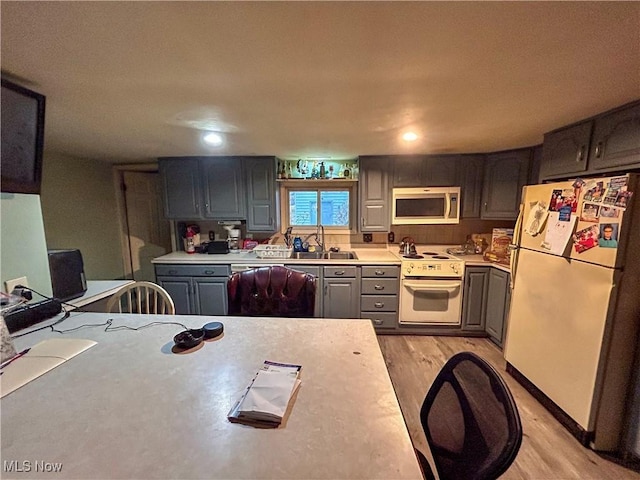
x,y
425,206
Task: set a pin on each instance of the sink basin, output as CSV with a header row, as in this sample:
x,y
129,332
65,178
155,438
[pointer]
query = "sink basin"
x,y
325,256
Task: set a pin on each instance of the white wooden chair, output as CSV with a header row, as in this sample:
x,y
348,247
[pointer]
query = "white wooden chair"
x,y
141,297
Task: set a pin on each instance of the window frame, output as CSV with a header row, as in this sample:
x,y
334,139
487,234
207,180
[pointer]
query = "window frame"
x,y
318,186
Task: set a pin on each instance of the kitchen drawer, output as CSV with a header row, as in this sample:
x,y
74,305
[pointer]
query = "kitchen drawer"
x,y
340,272
315,271
380,303
193,270
381,319
381,271
379,286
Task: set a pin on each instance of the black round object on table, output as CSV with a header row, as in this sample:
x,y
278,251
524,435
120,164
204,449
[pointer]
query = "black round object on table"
x,y
189,338
213,329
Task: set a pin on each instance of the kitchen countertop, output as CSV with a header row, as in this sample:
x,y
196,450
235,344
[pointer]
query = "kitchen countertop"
x,y
366,256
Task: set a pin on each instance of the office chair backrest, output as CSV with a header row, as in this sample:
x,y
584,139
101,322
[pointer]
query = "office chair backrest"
x,y
470,420
141,297
272,292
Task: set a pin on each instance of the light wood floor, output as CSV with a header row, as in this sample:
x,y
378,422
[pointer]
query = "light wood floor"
x,y
548,451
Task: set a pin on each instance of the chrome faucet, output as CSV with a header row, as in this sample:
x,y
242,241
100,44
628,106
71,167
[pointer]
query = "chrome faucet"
x,y
319,236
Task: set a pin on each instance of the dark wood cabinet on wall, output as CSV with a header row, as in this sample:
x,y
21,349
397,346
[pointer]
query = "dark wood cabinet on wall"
x,y
471,173
606,143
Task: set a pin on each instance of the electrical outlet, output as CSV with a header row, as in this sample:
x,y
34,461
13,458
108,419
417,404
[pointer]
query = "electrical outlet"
x,y
11,284
367,237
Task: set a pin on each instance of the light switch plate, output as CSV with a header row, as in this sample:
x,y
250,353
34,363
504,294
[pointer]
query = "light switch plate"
x,y
11,284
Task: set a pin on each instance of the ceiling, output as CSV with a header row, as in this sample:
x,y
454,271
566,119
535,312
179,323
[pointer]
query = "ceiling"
x,y
132,81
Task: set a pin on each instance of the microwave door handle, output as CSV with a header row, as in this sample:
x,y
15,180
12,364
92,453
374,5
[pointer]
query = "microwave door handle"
x,y
448,214
426,287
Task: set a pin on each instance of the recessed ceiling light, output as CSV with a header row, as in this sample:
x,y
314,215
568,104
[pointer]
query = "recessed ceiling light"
x,y
410,137
213,139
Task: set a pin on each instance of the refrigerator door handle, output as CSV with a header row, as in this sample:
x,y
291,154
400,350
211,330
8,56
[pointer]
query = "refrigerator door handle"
x,y
513,257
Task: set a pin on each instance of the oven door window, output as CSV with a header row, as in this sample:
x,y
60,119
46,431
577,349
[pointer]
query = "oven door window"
x,y
432,302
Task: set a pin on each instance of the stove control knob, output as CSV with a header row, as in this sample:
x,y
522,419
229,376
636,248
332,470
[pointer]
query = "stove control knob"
x,y
409,268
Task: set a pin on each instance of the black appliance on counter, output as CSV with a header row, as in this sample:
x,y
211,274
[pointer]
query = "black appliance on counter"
x,y
67,274
214,247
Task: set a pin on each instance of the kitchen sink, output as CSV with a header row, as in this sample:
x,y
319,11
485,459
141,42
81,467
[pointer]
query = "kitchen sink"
x,y
325,256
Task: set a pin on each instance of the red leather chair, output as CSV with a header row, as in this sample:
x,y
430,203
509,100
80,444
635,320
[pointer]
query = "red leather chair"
x,y
272,292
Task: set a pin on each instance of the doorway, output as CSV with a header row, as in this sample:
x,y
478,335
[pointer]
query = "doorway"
x,y
146,233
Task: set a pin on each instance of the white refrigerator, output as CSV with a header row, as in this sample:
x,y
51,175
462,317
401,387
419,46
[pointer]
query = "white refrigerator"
x,y
575,308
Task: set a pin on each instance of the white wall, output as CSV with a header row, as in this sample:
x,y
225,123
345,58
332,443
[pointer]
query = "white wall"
x,y
80,211
23,247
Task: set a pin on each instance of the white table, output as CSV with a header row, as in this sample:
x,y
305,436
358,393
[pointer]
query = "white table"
x,y
130,408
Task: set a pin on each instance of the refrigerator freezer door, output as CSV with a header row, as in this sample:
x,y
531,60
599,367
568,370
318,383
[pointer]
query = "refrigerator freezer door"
x,y
536,199
556,328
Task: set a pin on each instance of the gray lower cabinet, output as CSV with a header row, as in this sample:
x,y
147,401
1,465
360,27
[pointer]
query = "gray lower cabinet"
x,y
315,270
505,174
474,302
374,194
379,296
341,295
196,289
498,297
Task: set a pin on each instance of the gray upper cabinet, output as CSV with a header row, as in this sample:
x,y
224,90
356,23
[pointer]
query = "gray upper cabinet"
x,y
374,194
261,194
470,180
441,170
616,140
504,176
565,151
408,171
223,188
181,187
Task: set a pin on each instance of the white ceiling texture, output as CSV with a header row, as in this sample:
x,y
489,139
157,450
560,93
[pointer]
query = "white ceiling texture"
x,y
132,81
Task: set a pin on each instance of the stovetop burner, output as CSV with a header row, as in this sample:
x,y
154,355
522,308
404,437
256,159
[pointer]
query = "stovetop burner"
x,y
441,257
430,253
416,256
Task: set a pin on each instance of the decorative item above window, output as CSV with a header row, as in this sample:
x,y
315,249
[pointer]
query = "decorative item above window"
x,y
318,169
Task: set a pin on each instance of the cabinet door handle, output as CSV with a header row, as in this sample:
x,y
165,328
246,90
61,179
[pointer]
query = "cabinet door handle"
x,y
598,149
486,205
378,287
580,154
339,272
378,304
270,220
362,221
379,272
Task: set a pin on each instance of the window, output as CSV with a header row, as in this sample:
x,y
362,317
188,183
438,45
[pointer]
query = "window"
x,y
332,207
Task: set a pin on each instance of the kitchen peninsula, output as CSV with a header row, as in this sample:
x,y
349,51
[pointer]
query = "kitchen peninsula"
x,y
133,407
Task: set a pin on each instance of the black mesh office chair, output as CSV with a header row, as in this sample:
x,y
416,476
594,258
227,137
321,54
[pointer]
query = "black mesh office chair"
x,y
470,420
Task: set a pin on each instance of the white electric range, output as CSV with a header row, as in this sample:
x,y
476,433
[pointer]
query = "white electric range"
x,y
431,283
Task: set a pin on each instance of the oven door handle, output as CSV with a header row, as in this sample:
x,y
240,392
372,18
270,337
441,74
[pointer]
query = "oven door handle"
x,y
449,287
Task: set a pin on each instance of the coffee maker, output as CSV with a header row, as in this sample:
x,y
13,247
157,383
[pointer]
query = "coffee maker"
x,y
233,237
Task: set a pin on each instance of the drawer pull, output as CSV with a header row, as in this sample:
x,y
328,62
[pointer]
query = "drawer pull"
x,y
209,272
379,272
377,321
378,287
378,304
339,272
